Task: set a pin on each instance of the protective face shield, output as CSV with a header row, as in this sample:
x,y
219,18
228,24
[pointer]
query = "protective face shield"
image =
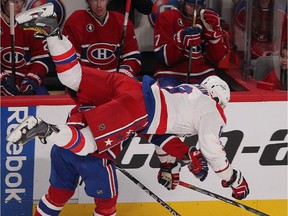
x,y
218,89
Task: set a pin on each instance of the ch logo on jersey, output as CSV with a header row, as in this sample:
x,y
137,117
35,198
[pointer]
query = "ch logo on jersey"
x,y
101,53
180,89
90,27
196,52
58,8
6,57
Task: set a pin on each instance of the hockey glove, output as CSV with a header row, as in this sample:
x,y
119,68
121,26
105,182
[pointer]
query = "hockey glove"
x,y
168,175
187,37
238,184
30,84
8,88
198,165
211,22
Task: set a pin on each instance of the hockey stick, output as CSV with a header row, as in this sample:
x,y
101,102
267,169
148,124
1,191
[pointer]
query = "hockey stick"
x,y
126,17
148,191
12,40
191,48
232,202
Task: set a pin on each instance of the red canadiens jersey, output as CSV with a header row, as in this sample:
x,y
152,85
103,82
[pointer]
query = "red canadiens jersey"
x,y
97,45
173,61
31,55
266,39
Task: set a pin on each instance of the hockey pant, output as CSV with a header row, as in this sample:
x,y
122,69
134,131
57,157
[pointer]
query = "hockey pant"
x,y
98,174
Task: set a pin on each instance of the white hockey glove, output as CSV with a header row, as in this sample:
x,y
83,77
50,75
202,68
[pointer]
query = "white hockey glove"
x,y
238,184
168,175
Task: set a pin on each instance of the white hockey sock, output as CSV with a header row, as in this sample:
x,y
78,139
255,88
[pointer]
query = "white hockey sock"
x,y
69,70
81,142
57,46
46,208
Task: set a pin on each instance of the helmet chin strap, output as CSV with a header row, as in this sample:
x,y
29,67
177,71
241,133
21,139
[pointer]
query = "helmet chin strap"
x,y
216,99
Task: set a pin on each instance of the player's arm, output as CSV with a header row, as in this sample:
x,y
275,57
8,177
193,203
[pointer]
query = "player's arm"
x,y
213,151
130,56
217,41
168,148
169,172
165,47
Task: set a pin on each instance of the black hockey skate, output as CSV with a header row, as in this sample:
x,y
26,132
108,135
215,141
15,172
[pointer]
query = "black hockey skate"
x,y
30,128
41,19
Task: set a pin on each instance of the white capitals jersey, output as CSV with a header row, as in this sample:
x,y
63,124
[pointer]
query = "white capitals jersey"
x,y
185,110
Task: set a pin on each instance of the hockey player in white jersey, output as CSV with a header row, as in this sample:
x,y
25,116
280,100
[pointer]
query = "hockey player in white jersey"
x,y
184,110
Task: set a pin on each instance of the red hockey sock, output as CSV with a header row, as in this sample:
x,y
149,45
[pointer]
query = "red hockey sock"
x,y
53,202
105,207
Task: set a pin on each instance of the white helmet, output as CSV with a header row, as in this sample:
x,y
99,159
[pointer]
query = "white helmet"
x,y
218,89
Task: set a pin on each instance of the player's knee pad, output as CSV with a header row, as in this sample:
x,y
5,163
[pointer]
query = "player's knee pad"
x,y
59,196
105,207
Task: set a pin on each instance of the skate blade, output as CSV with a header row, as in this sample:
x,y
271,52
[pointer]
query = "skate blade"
x,y
16,134
45,10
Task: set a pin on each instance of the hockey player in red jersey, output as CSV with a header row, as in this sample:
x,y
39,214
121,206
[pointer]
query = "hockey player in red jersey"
x,y
116,109
174,34
268,27
97,38
31,57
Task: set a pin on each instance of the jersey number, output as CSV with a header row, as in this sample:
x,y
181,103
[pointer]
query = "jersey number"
x,y
180,89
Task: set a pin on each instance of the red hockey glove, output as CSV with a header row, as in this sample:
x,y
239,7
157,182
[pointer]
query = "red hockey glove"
x,y
187,37
238,184
211,22
198,165
168,175
7,86
30,84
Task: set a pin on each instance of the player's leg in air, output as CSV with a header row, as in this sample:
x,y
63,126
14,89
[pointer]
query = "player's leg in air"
x,y
79,141
43,20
